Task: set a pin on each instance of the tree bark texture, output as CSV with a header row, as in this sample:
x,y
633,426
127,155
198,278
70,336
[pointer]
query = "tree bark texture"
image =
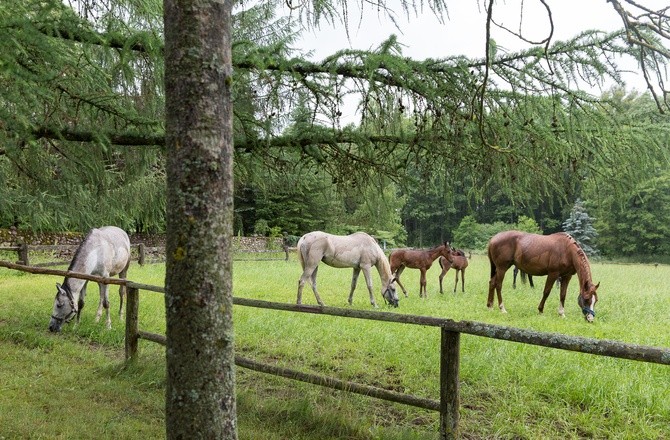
x,y
200,391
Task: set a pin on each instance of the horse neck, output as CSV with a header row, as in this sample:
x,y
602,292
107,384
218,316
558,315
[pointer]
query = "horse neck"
x,y
74,285
384,269
581,263
435,252
78,264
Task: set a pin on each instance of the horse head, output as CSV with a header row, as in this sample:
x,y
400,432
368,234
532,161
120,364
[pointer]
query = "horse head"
x,y
588,297
64,308
390,295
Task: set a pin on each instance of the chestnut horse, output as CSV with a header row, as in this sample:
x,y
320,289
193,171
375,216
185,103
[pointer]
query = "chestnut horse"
x,y
459,262
556,256
420,259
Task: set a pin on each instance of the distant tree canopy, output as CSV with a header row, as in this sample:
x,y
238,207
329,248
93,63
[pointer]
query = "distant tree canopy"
x,y
509,134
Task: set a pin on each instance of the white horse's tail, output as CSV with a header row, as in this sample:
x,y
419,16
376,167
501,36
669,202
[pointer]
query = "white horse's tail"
x,y
302,252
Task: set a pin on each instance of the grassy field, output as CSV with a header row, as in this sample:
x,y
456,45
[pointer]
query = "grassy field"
x,y
75,384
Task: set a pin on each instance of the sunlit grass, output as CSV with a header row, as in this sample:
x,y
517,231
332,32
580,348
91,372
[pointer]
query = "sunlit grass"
x,y
509,390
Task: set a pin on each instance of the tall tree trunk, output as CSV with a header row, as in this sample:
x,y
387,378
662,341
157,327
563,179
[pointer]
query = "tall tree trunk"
x,y
200,395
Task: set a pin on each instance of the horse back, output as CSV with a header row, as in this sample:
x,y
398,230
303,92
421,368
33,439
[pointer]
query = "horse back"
x,y
339,251
532,253
104,251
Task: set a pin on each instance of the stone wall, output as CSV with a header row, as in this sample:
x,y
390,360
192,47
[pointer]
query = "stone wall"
x,y
13,237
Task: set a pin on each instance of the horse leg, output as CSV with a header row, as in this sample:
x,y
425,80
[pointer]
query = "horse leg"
x,y
500,276
456,283
104,303
314,289
463,281
547,290
122,290
368,282
354,280
495,285
444,272
515,273
308,275
564,290
80,303
397,279
422,284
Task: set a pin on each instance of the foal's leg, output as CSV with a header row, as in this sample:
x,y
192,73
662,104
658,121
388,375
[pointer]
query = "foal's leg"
x,y
551,278
442,274
422,284
354,280
397,279
368,282
456,284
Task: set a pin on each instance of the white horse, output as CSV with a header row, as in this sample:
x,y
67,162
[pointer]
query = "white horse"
x,y
104,252
359,251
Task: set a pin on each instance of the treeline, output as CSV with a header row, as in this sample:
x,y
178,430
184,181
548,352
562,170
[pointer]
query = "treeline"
x,y
82,135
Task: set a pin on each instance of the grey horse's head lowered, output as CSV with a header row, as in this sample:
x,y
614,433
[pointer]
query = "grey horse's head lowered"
x,y
390,295
64,309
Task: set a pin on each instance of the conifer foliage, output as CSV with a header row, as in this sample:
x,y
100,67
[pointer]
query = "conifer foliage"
x,y
580,225
82,107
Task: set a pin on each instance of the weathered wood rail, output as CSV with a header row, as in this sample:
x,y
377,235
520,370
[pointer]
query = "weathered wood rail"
x,y
449,402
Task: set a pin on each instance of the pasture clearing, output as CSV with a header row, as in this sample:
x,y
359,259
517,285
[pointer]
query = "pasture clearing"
x,y
508,390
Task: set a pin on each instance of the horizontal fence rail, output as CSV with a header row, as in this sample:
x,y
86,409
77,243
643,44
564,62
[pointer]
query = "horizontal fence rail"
x,y
448,405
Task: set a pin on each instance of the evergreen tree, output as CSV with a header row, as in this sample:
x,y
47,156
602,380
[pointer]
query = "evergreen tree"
x,y
580,225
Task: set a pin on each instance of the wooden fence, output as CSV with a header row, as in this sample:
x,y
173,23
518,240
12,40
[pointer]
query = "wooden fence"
x,y
449,401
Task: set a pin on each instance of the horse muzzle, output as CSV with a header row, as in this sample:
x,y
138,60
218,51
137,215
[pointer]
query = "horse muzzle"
x,y
55,325
589,314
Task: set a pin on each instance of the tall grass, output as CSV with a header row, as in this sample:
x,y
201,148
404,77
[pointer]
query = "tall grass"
x,y
508,390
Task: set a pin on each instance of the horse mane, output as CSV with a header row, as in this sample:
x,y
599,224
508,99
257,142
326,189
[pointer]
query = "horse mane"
x,y
78,251
581,255
384,262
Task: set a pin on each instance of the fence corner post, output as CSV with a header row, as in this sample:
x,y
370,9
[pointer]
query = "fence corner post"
x,y
132,323
449,387
140,251
23,254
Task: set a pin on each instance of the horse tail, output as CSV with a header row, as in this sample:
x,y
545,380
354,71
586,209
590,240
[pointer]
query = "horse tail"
x,y
493,266
440,261
302,253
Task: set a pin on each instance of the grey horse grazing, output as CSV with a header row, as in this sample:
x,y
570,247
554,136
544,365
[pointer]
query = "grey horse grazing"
x,y
358,251
104,252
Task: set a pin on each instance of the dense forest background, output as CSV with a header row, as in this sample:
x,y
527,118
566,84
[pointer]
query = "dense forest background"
x,y
444,150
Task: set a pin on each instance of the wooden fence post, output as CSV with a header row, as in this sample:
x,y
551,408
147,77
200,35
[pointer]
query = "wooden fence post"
x,y
132,322
140,250
23,254
449,388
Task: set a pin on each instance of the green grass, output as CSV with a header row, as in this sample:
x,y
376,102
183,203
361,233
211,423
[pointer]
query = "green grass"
x,y
75,384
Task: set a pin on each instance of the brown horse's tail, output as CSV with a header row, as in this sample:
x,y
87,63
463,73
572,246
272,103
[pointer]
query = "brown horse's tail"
x,y
439,260
493,266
